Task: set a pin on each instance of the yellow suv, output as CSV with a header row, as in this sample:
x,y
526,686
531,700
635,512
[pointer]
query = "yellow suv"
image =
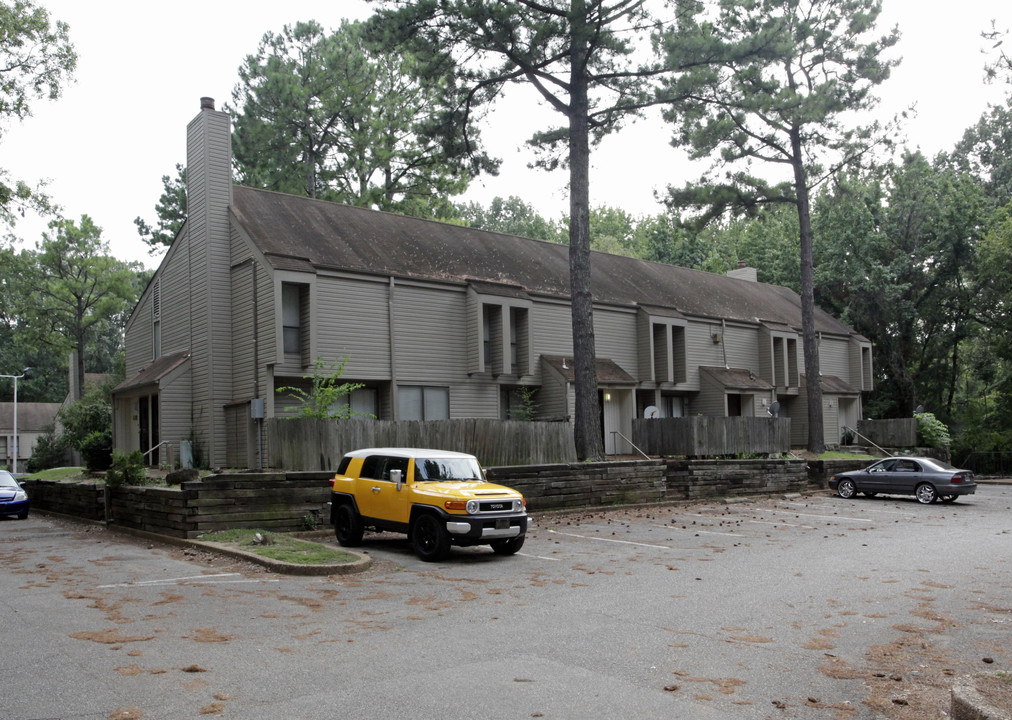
x,y
439,498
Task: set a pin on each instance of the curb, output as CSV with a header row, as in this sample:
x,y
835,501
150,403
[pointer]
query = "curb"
x,y
363,562
967,704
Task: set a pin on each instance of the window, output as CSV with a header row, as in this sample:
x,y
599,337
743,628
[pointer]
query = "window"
x,y
416,402
291,317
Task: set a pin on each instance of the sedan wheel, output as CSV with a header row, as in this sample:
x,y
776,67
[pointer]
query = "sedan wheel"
x,y
846,489
926,493
948,498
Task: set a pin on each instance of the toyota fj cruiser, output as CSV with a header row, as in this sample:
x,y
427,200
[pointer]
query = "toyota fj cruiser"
x,y
439,498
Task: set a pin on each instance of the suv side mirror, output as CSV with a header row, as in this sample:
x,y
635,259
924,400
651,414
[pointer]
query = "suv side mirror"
x,y
397,477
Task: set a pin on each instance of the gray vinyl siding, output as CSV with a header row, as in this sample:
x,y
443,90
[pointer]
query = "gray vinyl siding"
x,y
209,191
175,298
552,330
138,338
174,406
834,358
351,319
243,331
742,347
431,342
701,350
647,372
615,338
861,376
710,400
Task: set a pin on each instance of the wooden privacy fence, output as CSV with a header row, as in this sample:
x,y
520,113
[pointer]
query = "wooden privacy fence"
x,y
312,444
705,436
898,432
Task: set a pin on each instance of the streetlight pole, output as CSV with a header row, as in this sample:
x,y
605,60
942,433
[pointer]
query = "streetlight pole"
x,y
15,378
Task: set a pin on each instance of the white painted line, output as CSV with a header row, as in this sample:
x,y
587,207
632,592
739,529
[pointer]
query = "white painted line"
x,y
824,517
539,557
624,542
699,531
217,578
871,508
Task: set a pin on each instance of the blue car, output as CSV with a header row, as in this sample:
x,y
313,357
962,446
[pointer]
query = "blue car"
x,y
13,498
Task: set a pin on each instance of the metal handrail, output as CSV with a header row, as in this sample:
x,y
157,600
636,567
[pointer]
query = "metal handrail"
x,y
164,442
884,452
631,444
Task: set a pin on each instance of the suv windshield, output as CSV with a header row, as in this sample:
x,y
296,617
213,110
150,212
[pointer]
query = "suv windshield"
x,y
447,469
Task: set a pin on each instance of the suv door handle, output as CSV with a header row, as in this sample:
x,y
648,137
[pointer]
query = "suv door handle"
x,y
376,489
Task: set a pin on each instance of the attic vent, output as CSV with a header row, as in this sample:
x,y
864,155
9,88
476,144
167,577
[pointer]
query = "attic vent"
x,y
156,298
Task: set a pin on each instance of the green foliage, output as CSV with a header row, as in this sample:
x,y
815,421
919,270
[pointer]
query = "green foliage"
x,y
74,295
526,408
511,216
326,115
931,431
126,469
36,60
96,450
327,398
170,210
92,412
50,451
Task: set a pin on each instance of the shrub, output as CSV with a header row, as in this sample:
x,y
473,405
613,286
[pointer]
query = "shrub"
x,y
126,469
932,431
96,450
50,451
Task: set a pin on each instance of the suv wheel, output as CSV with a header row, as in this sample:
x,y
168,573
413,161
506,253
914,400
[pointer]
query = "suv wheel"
x,y
429,538
348,526
507,547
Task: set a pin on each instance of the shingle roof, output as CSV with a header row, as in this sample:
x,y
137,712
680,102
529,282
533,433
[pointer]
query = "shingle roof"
x,y
154,371
608,371
295,231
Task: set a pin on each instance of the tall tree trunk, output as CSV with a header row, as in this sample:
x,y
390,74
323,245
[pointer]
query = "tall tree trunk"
x,y
810,340
587,422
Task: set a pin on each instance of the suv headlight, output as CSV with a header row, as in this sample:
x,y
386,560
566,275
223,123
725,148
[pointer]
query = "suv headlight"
x,y
472,507
519,505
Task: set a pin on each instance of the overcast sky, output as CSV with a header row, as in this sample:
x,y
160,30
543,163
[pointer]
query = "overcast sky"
x,y
143,68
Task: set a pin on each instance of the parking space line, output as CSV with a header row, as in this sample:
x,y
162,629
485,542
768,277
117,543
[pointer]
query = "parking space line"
x,y
824,517
871,509
624,542
217,578
539,557
699,531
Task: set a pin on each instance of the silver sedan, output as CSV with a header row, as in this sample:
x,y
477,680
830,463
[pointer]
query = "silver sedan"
x,y
926,479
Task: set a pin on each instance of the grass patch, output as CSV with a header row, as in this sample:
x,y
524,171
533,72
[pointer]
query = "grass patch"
x,y
281,547
63,474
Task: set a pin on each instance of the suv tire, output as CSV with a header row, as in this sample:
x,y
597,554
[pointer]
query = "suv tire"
x,y
507,547
348,526
429,538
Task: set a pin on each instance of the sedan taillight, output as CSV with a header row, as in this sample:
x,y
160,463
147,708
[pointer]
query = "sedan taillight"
x,y
957,479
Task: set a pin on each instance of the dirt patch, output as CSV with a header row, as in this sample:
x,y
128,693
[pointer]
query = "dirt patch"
x,y
130,713
110,637
209,635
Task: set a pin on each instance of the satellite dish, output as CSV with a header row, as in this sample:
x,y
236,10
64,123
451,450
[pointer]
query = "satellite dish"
x,y
919,410
774,409
652,412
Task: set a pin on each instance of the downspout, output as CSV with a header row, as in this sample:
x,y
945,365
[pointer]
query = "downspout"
x,y
723,341
393,350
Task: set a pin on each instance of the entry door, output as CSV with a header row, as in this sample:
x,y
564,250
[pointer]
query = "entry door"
x,y
616,407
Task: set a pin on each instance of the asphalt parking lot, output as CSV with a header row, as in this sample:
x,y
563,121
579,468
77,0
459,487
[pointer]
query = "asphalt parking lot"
x,y
797,607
